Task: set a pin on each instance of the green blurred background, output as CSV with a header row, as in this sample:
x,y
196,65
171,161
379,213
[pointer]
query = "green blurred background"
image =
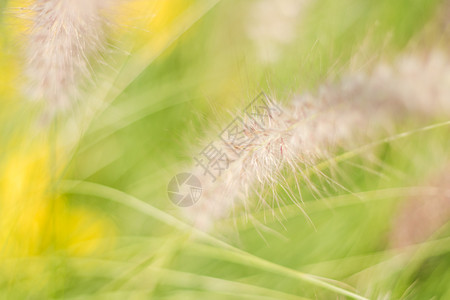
x,y
85,215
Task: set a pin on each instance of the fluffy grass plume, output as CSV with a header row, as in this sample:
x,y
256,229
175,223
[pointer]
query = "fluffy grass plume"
x,y
421,216
314,126
63,38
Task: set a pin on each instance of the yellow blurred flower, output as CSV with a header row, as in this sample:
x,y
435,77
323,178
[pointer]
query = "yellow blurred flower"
x,y
35,220
9,72
150,17
151,21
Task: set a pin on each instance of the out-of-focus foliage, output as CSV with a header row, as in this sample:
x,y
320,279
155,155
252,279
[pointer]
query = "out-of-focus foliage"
x,y
181,66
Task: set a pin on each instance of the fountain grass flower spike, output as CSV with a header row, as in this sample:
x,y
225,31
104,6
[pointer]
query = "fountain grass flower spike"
x,y
64,36
314,126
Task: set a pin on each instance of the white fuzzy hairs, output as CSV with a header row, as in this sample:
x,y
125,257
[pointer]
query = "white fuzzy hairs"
x,y
63,37
312,127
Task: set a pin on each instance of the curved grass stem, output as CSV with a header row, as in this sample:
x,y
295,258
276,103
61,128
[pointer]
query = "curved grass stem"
x,y
228,252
